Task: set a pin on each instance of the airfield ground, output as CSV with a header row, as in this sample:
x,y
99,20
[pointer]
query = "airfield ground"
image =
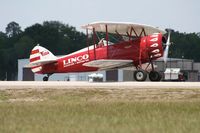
x,y
84,84
99,107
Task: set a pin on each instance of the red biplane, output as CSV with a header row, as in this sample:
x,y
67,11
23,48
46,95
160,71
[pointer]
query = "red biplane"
x,y
110,45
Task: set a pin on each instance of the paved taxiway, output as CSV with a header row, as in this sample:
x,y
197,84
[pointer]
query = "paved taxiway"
x,y
75,85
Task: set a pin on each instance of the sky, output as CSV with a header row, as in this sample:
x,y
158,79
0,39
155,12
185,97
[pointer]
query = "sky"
x,y
180,15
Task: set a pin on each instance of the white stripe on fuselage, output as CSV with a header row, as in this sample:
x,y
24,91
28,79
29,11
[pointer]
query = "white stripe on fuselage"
x,y
36,69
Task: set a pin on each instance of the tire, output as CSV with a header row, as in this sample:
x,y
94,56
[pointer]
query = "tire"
x,y
140,75
155,76
45,78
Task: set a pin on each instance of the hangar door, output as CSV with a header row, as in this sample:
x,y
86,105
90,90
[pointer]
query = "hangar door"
x,y
28,75
112,75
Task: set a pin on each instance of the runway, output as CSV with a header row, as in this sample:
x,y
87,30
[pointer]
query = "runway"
x,y
84,84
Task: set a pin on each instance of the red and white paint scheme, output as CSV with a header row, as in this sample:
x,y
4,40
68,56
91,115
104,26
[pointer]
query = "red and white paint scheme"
x,y
134,46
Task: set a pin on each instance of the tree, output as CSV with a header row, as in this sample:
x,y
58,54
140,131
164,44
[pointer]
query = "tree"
x,y
3,40
4,62
187,45
198,34
59,38
23,47
13,29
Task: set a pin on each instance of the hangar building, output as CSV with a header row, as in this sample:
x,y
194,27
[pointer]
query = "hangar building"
x,y
191,68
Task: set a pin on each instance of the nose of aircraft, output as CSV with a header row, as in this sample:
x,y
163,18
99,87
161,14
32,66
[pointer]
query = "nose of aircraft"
x,y
154,45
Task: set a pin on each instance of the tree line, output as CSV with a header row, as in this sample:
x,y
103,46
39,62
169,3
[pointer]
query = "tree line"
x,y
16,44
185,45
62,38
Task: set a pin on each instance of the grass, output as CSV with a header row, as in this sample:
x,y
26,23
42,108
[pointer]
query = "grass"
x,y
100,110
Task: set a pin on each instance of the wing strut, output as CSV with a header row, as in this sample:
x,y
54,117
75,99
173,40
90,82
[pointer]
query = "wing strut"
x,y
143,31
132,29
107,39
88,43
94,42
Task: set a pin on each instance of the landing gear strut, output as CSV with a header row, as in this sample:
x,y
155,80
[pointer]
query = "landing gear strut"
x,y
46,78
141,75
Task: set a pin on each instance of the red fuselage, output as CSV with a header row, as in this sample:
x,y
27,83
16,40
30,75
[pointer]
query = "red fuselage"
x,y
140,50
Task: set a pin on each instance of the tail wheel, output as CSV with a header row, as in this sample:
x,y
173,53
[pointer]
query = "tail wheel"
x,y
45,78
140,75
155,76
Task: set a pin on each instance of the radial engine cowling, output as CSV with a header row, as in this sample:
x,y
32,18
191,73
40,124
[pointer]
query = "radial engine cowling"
x,y
154,45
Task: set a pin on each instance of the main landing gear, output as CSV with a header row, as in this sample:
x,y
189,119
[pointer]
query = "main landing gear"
x,y
155,76
46,78
141,75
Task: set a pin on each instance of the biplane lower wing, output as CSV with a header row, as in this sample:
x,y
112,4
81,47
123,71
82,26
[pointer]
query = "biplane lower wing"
x,y
106,63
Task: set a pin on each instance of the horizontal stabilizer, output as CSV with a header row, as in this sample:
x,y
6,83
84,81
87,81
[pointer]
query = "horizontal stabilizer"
x,y
41,62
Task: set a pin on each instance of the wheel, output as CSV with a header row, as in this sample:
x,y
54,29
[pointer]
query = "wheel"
x,y
155,76
140,75
45,78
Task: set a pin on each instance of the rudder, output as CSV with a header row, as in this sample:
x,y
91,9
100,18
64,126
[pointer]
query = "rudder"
x,y
40,56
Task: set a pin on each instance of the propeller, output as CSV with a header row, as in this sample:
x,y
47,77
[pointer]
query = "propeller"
x,y
168,43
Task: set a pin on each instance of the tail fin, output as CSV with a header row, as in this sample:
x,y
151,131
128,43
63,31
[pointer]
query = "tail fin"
x,y
40,56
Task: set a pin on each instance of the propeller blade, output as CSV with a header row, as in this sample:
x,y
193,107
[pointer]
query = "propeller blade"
x,y
166,52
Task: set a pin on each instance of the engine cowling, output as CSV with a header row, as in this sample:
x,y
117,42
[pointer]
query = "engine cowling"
x,y
154,46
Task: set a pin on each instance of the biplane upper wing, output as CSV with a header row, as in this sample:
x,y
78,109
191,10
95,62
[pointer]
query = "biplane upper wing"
x,y
107,63
123,28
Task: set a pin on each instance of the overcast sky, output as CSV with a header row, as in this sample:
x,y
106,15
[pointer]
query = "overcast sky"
x,y
181,15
